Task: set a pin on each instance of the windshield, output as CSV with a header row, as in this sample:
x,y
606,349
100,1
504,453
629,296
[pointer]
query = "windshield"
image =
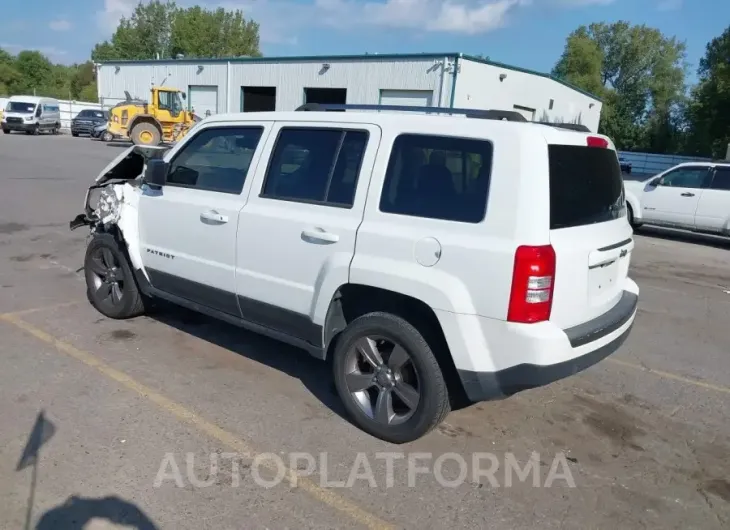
x,y
19,106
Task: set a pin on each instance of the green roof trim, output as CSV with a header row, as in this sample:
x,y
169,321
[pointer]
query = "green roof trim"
x,y
361,57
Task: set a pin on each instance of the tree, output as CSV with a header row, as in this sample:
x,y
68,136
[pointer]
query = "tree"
x,y
35,70
709,109
164,30
636,70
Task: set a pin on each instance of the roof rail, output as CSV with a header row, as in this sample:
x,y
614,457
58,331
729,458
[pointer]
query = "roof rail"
x,y
505,115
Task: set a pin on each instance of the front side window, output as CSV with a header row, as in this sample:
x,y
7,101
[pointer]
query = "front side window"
x,y
438,177
216,159
316,165
686,177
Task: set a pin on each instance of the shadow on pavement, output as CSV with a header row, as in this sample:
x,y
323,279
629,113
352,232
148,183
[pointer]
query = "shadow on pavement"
x,y
76,512
314,374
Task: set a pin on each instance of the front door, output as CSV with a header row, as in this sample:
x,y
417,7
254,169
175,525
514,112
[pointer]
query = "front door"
x,y
673,201
188,228
307,206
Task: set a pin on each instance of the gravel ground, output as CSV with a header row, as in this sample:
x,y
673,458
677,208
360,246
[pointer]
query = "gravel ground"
x,y
138,407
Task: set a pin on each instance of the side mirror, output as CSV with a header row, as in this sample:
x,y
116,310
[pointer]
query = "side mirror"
x,y
156,173
183,95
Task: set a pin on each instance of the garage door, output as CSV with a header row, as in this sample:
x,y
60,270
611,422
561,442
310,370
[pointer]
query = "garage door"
x,y
409,98
204,100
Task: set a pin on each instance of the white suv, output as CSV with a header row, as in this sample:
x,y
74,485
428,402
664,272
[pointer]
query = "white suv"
x,y
435,260
691,196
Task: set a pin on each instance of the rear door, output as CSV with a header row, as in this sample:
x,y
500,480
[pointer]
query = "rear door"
x,y
588,230
307,205
713,209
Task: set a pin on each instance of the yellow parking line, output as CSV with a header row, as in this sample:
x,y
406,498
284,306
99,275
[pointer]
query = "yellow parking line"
x,y
325,496
674,377
38,309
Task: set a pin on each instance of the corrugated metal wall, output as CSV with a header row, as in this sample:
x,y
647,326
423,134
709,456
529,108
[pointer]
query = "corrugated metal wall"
x,y
363,79
479,86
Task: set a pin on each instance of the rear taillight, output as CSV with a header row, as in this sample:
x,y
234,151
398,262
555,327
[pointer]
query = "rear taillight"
x,y
597,141
533,280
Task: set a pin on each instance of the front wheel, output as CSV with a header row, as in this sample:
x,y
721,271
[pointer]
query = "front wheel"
x,y
389,379
106,136
145,134
110,283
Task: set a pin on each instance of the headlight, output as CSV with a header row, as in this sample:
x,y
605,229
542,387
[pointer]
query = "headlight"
x,y
29,118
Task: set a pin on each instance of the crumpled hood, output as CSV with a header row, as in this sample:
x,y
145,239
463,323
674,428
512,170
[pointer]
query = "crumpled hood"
x,y
130,163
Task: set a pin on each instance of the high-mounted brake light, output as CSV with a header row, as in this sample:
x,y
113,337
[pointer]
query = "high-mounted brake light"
x,y
597,141
533,281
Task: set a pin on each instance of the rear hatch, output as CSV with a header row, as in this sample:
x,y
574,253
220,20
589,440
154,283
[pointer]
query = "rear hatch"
x,y
588,228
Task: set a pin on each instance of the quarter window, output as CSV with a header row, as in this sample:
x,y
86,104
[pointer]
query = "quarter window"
x,y
216,159
438,177
316,165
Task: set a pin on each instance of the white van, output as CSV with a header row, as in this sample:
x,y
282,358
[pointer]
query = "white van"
x,y
32,115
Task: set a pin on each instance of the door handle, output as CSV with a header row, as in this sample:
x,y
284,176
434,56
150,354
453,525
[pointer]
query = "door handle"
x,y
213,217
318,234
688,194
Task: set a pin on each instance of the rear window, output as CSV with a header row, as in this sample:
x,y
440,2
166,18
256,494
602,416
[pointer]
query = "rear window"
x,y
586,186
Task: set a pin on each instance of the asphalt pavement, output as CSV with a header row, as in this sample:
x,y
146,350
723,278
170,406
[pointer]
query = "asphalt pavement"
x,y
174,420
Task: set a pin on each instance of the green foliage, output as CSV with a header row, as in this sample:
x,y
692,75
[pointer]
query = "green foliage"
x,y
30,72
162,29
638,72
709,111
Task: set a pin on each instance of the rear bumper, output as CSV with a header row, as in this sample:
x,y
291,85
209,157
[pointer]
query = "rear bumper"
x,y
572,350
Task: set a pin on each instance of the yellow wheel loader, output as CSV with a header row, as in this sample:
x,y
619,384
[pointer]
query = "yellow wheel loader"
x,y
161,120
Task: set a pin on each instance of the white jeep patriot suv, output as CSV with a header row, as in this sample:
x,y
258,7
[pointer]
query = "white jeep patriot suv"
x,y
434,259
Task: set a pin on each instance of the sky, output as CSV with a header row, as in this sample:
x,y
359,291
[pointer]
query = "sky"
x,y
526,33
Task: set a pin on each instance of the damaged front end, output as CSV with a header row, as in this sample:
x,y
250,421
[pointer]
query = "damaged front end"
x,y
116,188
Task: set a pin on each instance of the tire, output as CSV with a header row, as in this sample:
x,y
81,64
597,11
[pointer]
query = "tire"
x,y
106,136
102,250
630,215
142,130
421,372
75,134
56,129
36,130
6,131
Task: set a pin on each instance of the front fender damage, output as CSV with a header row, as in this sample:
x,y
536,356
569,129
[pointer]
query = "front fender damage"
x,y
111,204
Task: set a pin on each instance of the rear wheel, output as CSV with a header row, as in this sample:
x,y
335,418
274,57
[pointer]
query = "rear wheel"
x,y
630,215
145,134
389,379
111,287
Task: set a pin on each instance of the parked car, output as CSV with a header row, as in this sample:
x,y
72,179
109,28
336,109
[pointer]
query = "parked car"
x,y
625,166
692,196
31,115
398,245
88,119
101,132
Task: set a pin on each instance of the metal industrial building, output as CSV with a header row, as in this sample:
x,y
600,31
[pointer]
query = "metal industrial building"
x,y
284,83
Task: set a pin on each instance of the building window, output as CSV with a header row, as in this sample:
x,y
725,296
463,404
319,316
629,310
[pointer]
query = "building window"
x,y
552,102
336,96
258,98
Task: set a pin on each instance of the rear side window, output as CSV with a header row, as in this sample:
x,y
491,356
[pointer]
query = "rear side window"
x,y
438,177
586,186
316,165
